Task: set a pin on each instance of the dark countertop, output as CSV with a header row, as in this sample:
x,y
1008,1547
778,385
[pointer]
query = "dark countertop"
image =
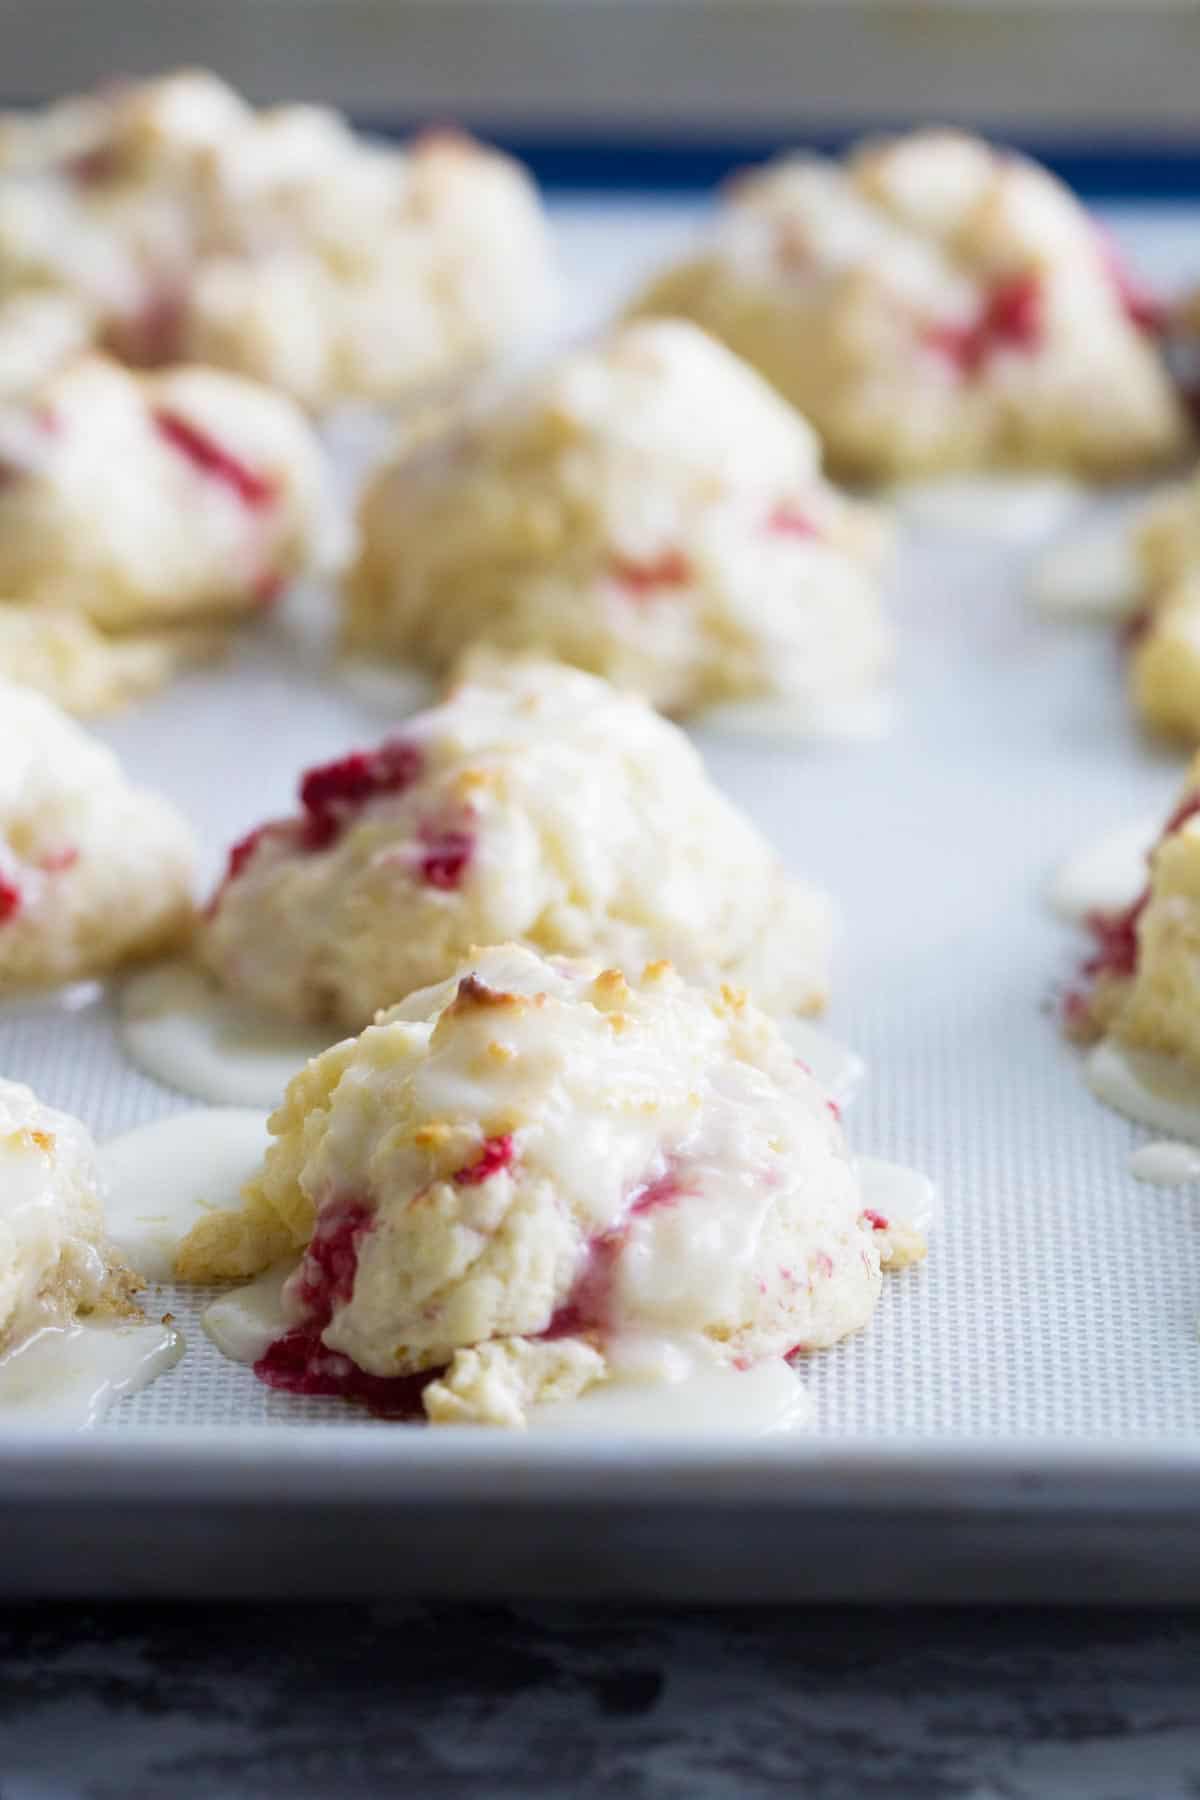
x,y
343,1702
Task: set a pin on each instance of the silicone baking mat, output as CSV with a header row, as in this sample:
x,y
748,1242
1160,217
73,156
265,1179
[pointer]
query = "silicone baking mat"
x,y
1060,1296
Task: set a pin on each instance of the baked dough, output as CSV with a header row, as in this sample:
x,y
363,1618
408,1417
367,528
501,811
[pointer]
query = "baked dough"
x,y
93,870
1164,631
278,243
39,331
86,671
648,510
931,304
143,500
56,1265
529,1174
1145,975
535,803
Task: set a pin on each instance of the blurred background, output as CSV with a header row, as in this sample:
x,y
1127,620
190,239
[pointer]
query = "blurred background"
x,y
607,92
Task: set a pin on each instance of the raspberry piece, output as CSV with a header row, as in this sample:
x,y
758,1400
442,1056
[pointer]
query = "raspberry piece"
x,y
497,1154
664,1191
331,793
788,520
299,1363
1115,934
447,854
245,847
1187,809
588,1306
1013,314
1115,940
252,489
325,1278
959,344
10,901
57,862
1011,317
671,569
875,1220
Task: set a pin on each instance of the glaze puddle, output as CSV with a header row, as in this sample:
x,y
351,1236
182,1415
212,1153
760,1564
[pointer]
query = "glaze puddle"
x,y
1105,875
178,1026
1092,576
161,1179
1012,509
853,718
1166,1164
1152,1090
69,1376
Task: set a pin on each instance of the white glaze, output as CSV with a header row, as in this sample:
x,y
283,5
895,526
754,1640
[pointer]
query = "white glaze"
x,y
1091,576
182,1029
897,1192
838,1069
722,1401
697,1398
853,718
1166,1164
1152,1090
661,1386
1105,875
246,1321
162,1178
164,1175
68,1377
1012,509
392,689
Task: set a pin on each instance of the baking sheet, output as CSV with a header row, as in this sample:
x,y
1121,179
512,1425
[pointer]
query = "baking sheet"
x,y
1060,1297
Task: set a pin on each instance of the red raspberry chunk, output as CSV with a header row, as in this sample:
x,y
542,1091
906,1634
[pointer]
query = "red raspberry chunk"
x,y
497,1154
245,847
10,900
789,520
333,792
1116,934
1010,318
57,862
1116,944
588,1306
671,569
330,796
1013,314
325,1278
252,489
300,1362
447,857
